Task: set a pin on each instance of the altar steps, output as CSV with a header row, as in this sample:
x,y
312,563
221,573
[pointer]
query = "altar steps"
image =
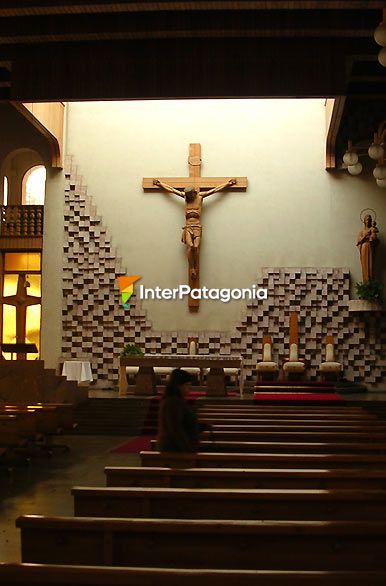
x,y
111,417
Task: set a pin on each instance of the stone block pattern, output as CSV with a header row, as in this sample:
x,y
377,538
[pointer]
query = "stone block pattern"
x,y
96,326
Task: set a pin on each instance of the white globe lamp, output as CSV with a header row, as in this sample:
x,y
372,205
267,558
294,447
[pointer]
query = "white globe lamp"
x,y
350,158
382,57
376,151
380,34
355,169
380,172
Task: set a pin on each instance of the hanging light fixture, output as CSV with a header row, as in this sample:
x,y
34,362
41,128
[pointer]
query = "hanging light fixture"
x,y
351,160
375,151
380,39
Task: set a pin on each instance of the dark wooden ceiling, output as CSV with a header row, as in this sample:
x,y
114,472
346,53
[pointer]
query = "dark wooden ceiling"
x,y
85,50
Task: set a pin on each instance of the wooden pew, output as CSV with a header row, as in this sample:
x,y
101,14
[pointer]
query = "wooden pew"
x,y
313,429
27,424
256,460
247,420
284,414
262,407
266,545
296,436
47,416
47,575
64,414
251,407
40,423
213,503
10,432
288,447
245,478
4,453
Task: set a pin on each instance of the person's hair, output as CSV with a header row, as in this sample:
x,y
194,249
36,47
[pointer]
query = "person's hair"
x,y
177,378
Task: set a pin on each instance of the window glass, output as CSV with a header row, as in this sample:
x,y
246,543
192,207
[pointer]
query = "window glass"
x,y
34,186
32,328
10,285
35,288
5,191
9,324
22,261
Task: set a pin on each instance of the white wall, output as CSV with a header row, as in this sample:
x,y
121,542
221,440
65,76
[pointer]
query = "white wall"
x,y
294,213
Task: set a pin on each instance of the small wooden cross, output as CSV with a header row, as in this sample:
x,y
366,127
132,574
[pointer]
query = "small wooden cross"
x,y
21,301
196,183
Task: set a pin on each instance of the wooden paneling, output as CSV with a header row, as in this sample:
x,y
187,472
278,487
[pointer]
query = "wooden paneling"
x,y
8,243
334,112
48,118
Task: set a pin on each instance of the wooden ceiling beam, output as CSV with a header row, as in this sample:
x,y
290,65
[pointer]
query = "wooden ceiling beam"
x,y
177,34
44,7
281,24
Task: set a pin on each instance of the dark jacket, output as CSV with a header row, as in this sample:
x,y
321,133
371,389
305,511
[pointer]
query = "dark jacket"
x,y
178,429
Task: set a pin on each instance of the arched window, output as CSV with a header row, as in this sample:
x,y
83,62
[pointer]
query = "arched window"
x,y
34,186
5,191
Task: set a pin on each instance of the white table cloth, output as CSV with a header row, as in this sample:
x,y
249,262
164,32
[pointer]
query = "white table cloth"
x,y
79,370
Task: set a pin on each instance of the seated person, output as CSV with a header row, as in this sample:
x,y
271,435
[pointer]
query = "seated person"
x,y
178,427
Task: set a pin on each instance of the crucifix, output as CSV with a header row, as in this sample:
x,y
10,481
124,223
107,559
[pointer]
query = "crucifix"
x,y
190,188
21,301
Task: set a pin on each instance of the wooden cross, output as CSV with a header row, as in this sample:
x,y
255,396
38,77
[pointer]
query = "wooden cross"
x,y
21,301
192,230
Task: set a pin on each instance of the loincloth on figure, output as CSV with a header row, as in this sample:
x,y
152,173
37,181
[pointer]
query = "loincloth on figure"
x,y
194,231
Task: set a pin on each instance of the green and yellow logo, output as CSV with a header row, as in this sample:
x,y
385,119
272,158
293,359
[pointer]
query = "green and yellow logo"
x,y
126,287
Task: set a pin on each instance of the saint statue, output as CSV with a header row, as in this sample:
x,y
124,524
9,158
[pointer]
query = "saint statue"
x,y
192,231
366,242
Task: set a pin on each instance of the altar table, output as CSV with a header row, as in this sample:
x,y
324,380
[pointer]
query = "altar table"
x,y
145,380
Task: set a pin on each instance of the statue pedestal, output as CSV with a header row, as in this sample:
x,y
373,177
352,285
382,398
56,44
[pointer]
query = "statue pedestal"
x,y
361,306
368,311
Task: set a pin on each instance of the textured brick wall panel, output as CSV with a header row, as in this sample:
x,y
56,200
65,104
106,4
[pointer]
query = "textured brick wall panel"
x,y
96,327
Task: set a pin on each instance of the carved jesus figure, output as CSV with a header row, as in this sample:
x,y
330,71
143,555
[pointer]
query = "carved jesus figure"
x,y
192,231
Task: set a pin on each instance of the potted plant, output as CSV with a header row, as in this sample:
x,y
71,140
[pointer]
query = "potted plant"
x,y
131,350
370,297
370,291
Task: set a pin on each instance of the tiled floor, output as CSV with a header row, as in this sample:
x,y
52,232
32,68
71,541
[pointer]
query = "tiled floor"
x,y
43,487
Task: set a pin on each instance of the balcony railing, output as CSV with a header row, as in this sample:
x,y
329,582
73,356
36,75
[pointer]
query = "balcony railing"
x,y
21,221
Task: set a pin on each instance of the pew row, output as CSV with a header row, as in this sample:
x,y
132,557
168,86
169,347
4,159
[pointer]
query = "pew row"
x,y
47,575
244,478
256,460
212,503
312,428
291,421
329,417
57,415
214,403
28,428
266,545
290,411
295,436
11,432
288,447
